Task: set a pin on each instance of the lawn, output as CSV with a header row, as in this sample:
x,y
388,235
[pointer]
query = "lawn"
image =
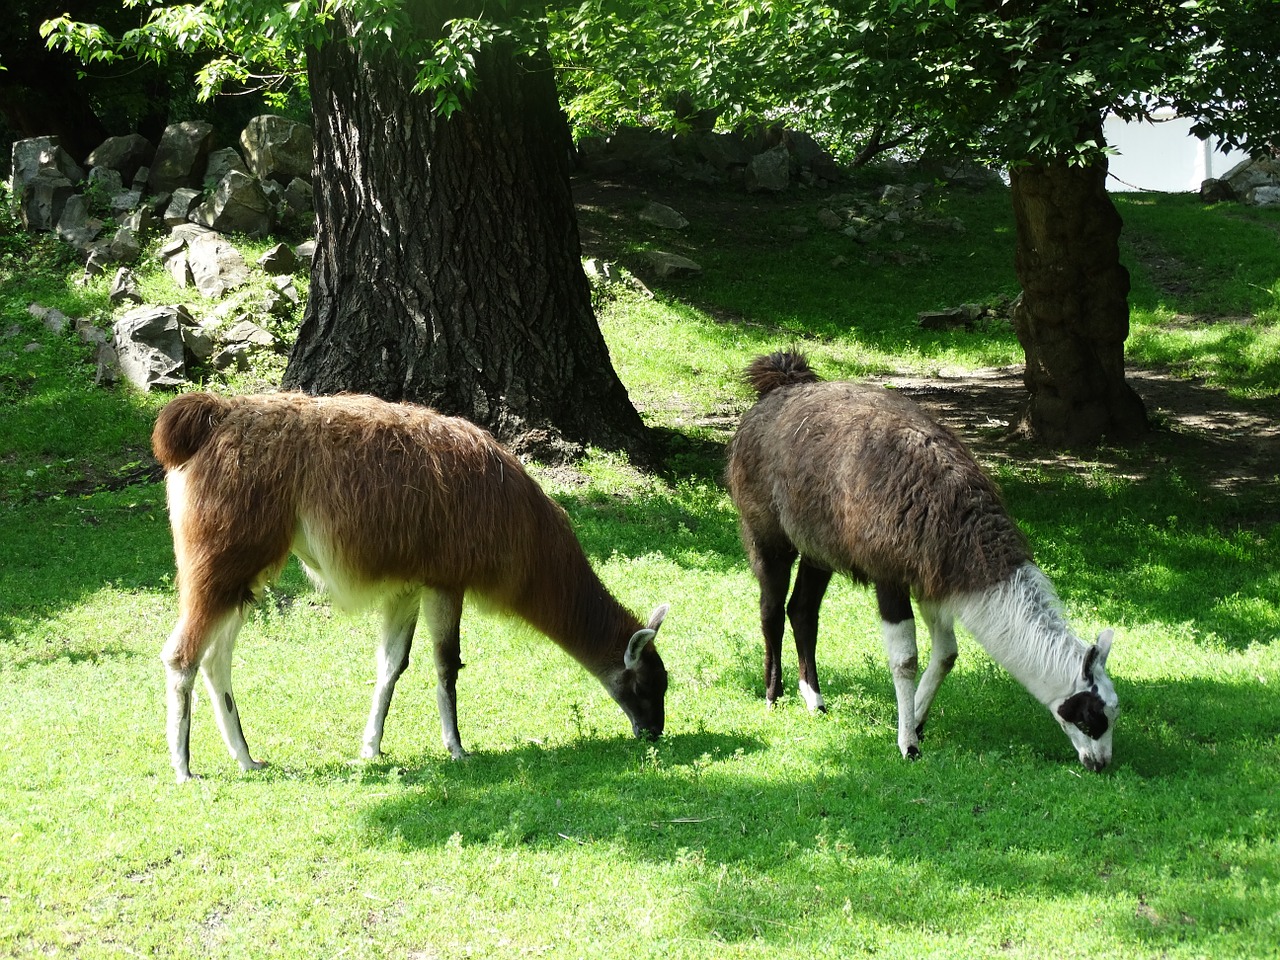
x,y
742,832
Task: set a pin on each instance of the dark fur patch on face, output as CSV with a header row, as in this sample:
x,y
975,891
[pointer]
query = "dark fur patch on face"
x,y
1084,710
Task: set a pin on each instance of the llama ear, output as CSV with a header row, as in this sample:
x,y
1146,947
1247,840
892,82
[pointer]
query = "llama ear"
x,y
659,614
1096,657
635,646
1104,645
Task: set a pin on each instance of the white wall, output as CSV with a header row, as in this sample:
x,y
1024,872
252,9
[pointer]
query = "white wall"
x,y
1162,156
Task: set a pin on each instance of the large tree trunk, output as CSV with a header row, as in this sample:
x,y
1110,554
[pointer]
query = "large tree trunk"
x,y
1073,316
448,264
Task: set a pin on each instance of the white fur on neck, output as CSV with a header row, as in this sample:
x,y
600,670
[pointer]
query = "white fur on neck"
x,y
1020,624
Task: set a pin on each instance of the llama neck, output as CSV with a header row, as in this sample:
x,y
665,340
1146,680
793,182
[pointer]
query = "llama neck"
x,y
565,599
1019,623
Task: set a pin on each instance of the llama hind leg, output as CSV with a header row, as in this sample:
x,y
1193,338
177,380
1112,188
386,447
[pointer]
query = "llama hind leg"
x,y
196,632
898,628
399,618
942,658
773,571
443,613
802,611
216,669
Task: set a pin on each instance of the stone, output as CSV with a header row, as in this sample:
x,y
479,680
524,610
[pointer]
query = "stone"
x,y
299,199
43,199
149,346
276,148
1248,174
661,215
239,205
810,155
671,265
723,150
221,162
35,154
125,246
124,287
216,266
126,155
54,320
199,343
181,156
769,171
104,181
248,332
279,260
829,219
75,226
1213,190
183,201
1264,196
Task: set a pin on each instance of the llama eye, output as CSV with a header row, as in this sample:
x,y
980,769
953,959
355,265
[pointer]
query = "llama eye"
x,y
1093,726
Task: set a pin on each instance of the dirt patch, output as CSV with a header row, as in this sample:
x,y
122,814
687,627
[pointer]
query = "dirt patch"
x,y
1228,445
1225,444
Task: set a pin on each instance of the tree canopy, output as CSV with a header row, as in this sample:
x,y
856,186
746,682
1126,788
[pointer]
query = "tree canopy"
x,y
1001,80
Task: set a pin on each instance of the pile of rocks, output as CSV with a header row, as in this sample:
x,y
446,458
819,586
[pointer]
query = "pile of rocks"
x,y
129,189
128,186
1255,182
768,159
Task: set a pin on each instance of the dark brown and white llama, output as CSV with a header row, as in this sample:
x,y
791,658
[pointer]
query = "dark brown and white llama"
x,y
382,503
859,480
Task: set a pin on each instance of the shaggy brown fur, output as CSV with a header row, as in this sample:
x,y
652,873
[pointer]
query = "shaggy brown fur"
x,y
860,480
374,497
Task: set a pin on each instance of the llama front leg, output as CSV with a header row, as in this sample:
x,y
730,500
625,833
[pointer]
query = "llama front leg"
x,y
942,658
399,618
443,613
898,628
773,571
802,611
216,669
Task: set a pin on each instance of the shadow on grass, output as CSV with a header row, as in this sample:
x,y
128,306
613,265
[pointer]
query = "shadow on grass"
x,y
992,811
59,552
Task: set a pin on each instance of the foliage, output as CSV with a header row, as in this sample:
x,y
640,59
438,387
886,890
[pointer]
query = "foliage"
x,y
1004,81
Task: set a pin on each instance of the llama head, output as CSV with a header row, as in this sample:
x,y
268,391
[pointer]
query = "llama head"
x,y
1088,714
640,687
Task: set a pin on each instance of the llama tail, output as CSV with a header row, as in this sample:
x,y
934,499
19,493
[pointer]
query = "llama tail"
x,y
185,425
780,369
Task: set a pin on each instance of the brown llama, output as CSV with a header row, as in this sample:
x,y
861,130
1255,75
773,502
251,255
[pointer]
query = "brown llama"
x,y
382,503
859,480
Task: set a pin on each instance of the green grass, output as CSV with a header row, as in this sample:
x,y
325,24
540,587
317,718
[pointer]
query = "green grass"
x,y
742,832
1209,303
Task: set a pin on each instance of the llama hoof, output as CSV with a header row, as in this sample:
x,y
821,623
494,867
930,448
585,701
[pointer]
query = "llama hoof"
x,y
370,753
913,753
253,765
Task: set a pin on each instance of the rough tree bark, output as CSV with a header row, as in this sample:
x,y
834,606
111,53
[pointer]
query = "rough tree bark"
x,y
1073,316
448,263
